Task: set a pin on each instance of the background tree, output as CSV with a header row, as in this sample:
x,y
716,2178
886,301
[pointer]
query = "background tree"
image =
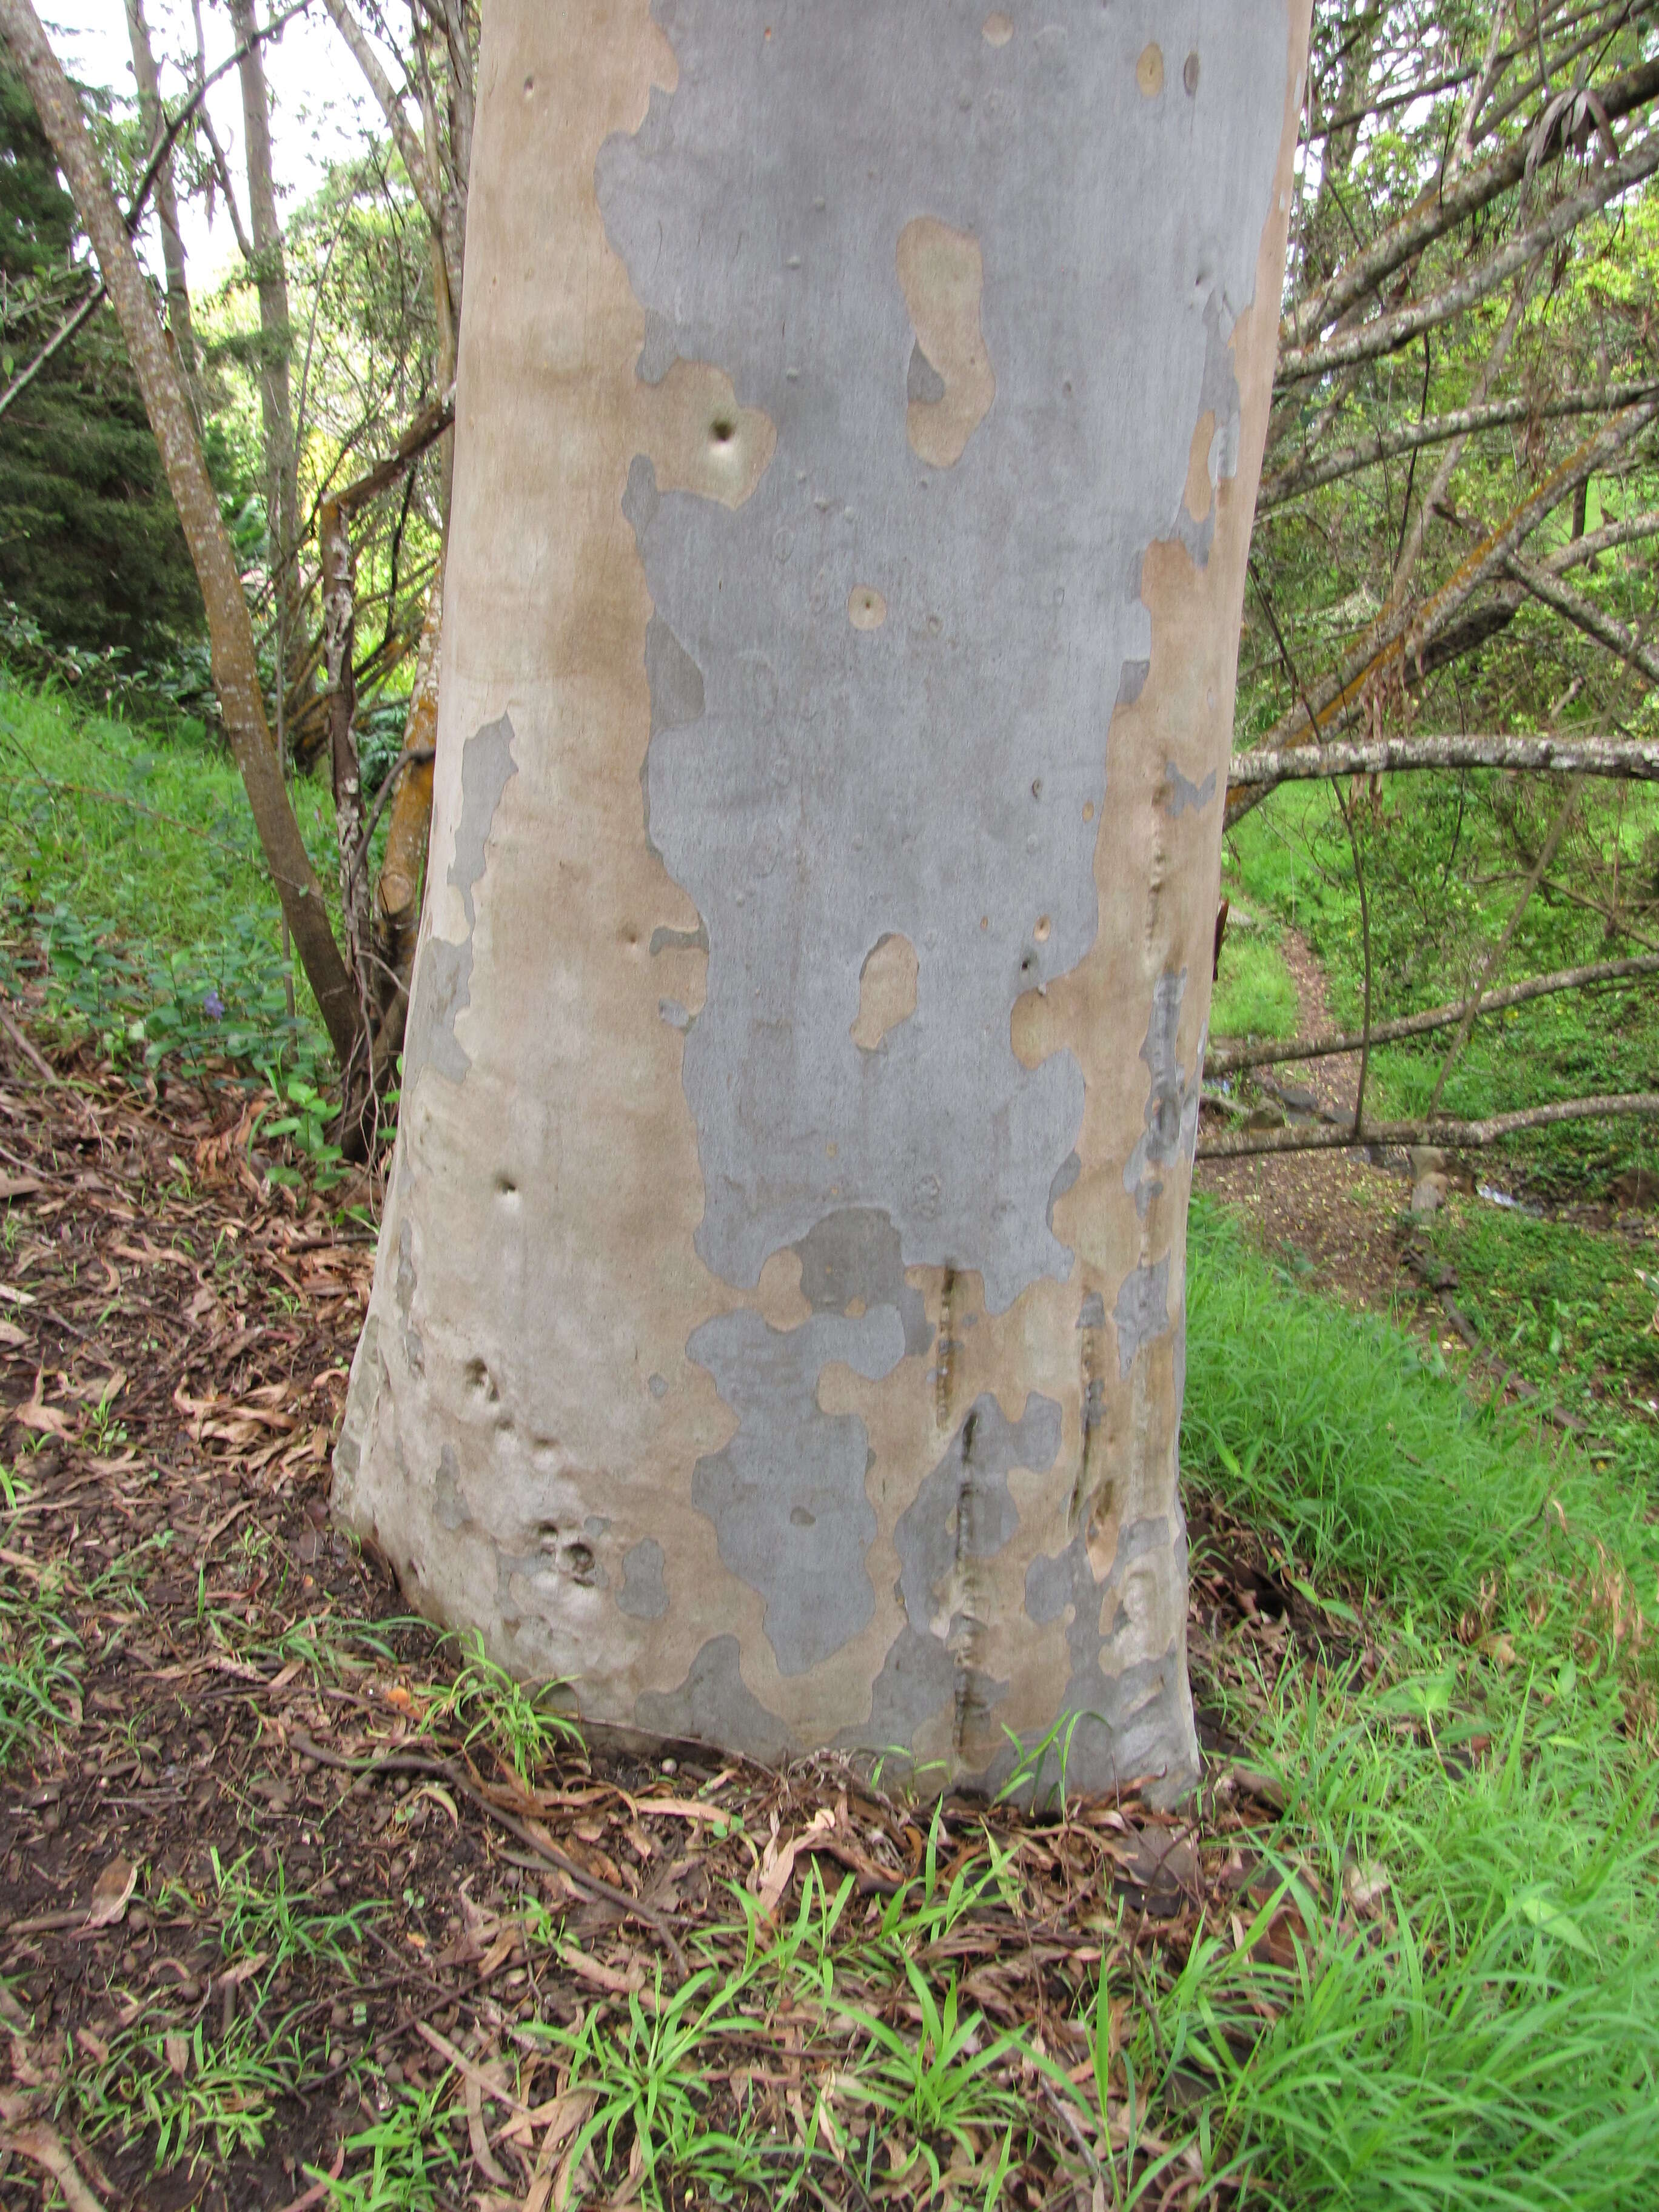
x,y
90,547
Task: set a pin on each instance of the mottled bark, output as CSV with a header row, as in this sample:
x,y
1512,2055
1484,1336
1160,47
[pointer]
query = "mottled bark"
x,y
235,669
778,1321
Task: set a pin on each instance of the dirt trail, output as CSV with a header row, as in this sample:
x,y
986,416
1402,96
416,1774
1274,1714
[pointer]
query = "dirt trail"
x,y
1336,1209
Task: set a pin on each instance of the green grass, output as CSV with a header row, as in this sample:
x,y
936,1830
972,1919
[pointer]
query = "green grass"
x,y
1255,994
1572,1309
129,864
1328,1431
1442,884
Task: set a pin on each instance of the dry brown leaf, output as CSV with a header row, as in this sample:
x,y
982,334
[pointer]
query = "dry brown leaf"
x,y
110,1895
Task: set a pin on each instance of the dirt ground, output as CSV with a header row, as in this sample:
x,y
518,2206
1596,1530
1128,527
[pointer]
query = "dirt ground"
x,y
234,1714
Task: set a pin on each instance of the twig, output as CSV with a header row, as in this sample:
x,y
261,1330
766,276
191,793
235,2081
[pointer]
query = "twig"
x,y
1496,956
446,1770
1225,1060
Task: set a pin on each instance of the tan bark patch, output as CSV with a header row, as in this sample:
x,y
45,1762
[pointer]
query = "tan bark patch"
x,y
698,437
1201,491
941,272
1149,70
887,991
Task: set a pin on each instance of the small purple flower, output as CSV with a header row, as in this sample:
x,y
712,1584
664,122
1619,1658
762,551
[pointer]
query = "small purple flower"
x,y
213,1006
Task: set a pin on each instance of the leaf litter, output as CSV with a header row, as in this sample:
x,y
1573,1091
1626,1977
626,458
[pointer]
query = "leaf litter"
x,y
300,1905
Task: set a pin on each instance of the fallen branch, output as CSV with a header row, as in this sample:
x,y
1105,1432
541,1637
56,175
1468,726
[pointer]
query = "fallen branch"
x,y
1226,1059
1243,1143
549,1852
1568,755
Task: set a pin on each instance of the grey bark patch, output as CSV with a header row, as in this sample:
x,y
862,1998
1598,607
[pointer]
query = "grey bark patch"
x,y
1183,794
1065,1175
449,1506
640,499
922,381
643,1592
855,1254
674,1014
1091,1313
1132,681
1142,1311
1172,1101
443,984
795,829
679,940
963,1515
1115,1722
789,1454
659,1386
715,1705
675,680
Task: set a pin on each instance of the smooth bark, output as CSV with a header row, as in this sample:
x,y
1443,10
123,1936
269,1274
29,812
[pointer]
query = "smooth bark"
x,y
777,1321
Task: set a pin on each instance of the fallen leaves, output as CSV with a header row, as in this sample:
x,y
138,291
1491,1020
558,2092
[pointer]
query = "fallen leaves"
x,y
110,1894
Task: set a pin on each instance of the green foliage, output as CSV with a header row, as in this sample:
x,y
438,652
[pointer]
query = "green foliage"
x,y
90,547
411,2162
1570,1308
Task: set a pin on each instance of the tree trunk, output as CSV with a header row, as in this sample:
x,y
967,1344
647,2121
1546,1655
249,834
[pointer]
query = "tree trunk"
x,y
778,1321
230,631
276,336
167,198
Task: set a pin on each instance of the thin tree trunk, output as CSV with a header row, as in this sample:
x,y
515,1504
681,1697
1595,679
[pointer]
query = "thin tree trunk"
x,y
167,198
275,331
235,667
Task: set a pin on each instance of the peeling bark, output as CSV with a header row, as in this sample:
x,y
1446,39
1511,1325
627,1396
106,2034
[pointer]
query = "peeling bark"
x,y
778,1321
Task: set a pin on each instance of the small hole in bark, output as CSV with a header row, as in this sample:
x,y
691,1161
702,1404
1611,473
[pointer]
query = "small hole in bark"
x,y
479,1378
1189,74
723,431
505,1187
578,1560
547,1536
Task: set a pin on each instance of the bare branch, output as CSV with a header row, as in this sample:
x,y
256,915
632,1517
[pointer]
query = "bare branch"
x,y
1583,614
1310,473
1231,1059
1387,333
77,320
1619,758
1440,210
1314,1137
409,146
